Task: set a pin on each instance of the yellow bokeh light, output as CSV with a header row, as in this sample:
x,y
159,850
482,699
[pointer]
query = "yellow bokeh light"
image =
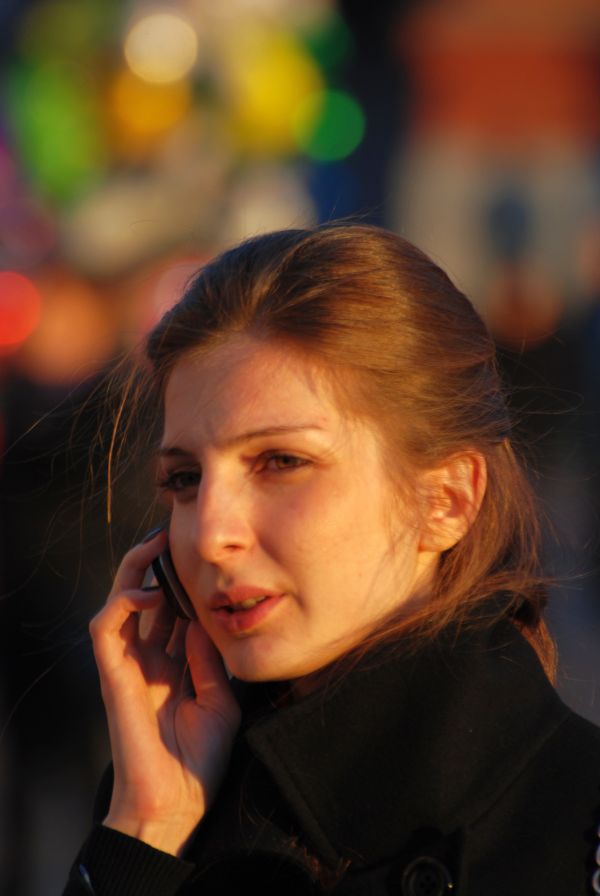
x,y
161,48
268,75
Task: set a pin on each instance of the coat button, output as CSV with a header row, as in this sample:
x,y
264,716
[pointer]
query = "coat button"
x,y
426,877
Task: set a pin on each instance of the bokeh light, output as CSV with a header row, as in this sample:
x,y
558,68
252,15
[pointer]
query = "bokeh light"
x,y
75,335
139,217
20,308
267,75
271,197
329,125
164,287
329,40
55,123
140,113
161,47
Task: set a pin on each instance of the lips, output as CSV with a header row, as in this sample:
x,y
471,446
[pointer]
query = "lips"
x,y
240,597
243,607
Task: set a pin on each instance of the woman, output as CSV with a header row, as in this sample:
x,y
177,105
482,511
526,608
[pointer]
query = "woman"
x,y
359,548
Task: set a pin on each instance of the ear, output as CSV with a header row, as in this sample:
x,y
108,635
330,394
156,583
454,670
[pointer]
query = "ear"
x,y
451,498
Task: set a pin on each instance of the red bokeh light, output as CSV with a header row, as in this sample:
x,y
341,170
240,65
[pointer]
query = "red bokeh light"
x,y
20,308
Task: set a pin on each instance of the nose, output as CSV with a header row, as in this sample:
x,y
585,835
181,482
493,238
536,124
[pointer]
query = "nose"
x,y
223,526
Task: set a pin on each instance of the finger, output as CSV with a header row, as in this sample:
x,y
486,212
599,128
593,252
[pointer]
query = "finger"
x,y
176,647
156,624
115,628
208,674
135,563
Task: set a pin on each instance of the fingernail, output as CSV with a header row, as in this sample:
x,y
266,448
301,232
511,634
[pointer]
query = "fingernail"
x,y
151,588
152,534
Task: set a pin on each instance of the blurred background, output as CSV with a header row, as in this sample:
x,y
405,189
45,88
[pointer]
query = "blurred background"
x,y
137,139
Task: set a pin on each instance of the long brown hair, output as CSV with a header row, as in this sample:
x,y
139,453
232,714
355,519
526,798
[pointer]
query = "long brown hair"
x,y
421,365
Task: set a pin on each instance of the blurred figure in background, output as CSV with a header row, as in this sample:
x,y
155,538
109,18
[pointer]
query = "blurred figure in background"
x,y
504,102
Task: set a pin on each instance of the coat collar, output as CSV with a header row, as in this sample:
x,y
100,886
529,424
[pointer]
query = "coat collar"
x,y
408,740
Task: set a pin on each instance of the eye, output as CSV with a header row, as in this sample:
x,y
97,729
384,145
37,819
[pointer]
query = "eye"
x,y
280,462
179,481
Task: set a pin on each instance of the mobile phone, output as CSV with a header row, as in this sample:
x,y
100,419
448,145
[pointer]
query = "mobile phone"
x,y
173,590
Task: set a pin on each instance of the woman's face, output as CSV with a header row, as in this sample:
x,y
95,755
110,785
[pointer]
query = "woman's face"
x,y
282,529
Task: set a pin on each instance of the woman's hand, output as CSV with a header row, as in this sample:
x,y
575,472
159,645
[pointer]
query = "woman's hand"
x,y
171,714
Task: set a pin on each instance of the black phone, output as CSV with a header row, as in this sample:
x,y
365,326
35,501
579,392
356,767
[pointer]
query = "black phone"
x,y
173,590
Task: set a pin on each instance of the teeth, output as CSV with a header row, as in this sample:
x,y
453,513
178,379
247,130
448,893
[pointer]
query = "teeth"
x,y
247,604
251,602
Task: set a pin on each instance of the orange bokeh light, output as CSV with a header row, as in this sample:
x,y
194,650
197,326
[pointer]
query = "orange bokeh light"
x,y
20,309
76,334
141,114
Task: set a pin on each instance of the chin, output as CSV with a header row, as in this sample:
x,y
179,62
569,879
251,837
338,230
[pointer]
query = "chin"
x,y
245,662
252,669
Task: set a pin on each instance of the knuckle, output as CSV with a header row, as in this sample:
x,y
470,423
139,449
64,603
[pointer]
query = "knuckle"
x,y
133,552
96,623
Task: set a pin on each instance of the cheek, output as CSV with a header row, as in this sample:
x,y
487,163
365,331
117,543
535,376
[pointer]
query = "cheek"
x,y
289,528
181,542
320,528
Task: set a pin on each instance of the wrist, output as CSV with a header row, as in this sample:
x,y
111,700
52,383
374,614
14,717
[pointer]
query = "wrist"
x,y
169,835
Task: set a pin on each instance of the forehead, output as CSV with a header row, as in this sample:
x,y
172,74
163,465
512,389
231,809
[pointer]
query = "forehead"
x,y
247,384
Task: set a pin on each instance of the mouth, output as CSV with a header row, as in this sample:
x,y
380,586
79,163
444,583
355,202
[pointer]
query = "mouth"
x,y
247,604
239,612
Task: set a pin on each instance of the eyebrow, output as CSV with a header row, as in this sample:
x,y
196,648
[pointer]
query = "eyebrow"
x,y
177,451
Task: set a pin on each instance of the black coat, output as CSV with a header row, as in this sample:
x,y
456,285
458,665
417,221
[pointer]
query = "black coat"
x,y
451,769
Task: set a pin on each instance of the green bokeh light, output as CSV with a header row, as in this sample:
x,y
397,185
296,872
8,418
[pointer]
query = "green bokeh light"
x,y
329,125
55,125
330,42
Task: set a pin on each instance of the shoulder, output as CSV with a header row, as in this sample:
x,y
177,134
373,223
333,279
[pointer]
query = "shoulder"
x,y
540,834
